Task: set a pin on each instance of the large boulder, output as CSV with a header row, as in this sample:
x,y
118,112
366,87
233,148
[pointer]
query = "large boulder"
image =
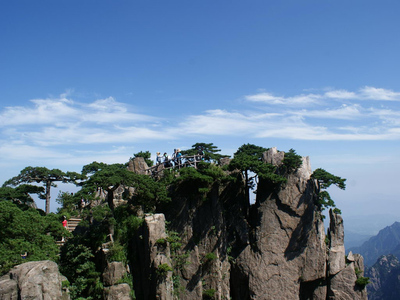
x,y
113,273
32,280
138,165
117,292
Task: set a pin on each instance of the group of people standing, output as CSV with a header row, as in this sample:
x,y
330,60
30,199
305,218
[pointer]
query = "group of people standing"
x,y
175,160
169,161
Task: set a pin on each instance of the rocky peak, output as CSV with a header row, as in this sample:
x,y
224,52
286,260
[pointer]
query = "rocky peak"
x,y
138,165
278,250
385,278
32,280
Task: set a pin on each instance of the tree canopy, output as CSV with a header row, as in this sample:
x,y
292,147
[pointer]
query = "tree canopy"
x,y
45,176
292,160
148,192
21,193
24,230
248,159
325,180
209,151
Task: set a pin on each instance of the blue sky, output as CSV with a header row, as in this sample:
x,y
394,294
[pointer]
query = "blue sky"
x,y
85,81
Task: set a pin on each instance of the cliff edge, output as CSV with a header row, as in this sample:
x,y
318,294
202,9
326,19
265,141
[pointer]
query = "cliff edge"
x,y
228,249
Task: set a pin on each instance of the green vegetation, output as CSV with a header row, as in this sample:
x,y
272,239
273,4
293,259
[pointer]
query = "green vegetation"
x,y
248,159
23,231
209,151
325,180
27,230
146,155
201,179
45,176
20,194
209,294
362,282
292,161
163,269
210,256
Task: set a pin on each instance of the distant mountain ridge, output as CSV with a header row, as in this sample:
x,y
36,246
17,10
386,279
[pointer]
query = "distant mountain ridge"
x,y
387,241
353,239
384,279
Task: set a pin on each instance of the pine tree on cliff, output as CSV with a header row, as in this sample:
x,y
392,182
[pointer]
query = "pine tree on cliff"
x,y
248,159
20,194
209,151
148,192
46,177
325,180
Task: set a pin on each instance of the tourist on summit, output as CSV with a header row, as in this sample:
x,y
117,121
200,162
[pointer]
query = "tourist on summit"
x,y
159,158
200,153
178,157
167,162
173,157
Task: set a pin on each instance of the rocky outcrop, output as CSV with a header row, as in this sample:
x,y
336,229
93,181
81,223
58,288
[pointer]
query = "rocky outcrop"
x,y
273,249
289,251
113,274
385,278
153,260
32,280
336,257
138,165
117,292
385,242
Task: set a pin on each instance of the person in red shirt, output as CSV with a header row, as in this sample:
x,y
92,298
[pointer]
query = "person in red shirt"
x,y
64,223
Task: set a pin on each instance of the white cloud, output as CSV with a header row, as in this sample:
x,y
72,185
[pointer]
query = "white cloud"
x,y
341,94
217,122
364,93
62,112
344,112
268,98
372,93
48,111
53,126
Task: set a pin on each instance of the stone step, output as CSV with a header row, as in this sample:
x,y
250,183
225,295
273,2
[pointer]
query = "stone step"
x,y
72,223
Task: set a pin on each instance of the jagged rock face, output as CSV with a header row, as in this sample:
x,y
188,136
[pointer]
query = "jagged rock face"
x,y
117,292
289,240
32,280
138,165
336,257
385,242
274,249
342,284
151,254
112,274
384,279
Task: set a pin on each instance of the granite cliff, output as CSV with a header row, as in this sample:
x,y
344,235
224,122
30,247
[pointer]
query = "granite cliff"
x,y
274,249
210,243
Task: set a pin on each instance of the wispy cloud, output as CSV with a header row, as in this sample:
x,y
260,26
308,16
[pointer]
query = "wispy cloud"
x,y
57,121
45,125
344,112
364,93
372,93
268,98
